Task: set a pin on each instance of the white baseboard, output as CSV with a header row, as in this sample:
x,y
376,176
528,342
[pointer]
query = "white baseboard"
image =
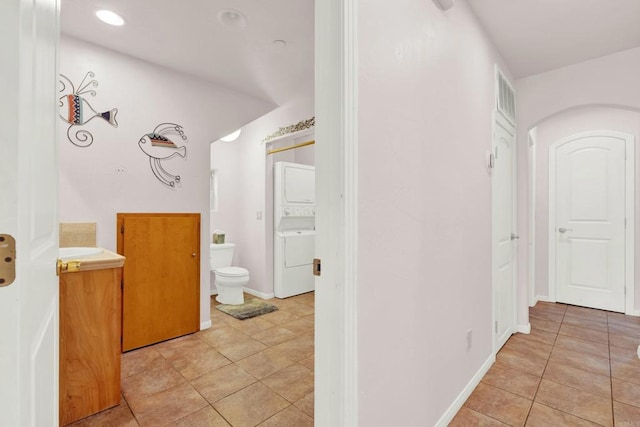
x,y
464,395
524,329
541,298
205,325
258,294
635,313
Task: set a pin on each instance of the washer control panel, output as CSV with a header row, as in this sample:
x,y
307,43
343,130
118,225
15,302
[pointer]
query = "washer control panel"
x,y
299,211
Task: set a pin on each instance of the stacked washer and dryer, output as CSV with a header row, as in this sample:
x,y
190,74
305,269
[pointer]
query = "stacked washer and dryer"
x,y
294,228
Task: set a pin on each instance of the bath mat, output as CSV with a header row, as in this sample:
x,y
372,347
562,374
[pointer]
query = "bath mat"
x,y
250,308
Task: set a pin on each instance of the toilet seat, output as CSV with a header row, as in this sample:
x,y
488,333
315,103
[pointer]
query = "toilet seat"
x,y
232,272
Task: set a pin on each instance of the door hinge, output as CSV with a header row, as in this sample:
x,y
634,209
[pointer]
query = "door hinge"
x,y
317,267
7,260
122,229
496,326
122,284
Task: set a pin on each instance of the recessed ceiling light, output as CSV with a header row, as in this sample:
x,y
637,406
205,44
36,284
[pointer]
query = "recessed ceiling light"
x,y
232,18
232,136
109,17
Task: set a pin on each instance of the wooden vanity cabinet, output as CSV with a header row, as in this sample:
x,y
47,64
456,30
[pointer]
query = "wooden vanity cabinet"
x,y
90,346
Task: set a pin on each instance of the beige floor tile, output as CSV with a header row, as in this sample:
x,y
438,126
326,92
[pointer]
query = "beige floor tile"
x,y
280,316
544,416
582,346
274,336
136,361
509,379
301,310
555,316
253,325
120,416
543,324
626,331
265,363
306,404
575,402
467,417
177,345
140,386
499,404
543,337
584,333
250,406
623,341
240,349
521,360
587,323
626,392
308,362
198,361
293,382
625,372
297,348
167,406
626,415
309,298
588,313
597,365
205,417
523,343
216,337
222,382
624,355
624,320
578,378
299,326
289,417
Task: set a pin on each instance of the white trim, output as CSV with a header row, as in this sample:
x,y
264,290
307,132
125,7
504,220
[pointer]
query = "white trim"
x,y
532,147
636,313
542,298
336,107
258,294
630,219
453,409
629,212
524,329
205,325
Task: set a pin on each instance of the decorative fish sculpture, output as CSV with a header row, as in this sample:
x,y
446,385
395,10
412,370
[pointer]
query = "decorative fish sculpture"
x,y
77,111
77,107
159,147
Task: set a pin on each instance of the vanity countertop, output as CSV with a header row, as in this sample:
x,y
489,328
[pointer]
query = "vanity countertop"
x,y
102,260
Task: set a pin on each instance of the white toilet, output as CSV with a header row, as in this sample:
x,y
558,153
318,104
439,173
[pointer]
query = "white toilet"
x,y
229,280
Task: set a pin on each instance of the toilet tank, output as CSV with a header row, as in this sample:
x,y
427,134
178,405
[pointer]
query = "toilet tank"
x,y
221,255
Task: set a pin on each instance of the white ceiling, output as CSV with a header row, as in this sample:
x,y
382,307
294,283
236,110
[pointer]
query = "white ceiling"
x,y
532,36
535,36
186,35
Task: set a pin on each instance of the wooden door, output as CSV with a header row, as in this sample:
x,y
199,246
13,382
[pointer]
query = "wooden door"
x,y
161,285
28,213
587,183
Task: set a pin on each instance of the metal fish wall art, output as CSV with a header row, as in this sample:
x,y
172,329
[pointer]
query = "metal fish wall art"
x,y
159,148
77,111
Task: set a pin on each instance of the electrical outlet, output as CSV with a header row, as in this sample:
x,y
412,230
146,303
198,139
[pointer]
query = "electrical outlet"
x,y
469,339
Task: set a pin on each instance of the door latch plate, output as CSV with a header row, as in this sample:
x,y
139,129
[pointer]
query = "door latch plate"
x,y
316,267
7,260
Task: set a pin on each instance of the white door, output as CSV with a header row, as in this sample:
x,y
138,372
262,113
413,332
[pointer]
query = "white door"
x,y
587,219
28,212
503,231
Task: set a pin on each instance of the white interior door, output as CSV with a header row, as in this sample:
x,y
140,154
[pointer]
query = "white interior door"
x,y
587,219
28,212
503,230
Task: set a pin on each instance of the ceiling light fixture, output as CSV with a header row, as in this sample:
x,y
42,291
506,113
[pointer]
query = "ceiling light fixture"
x,y
232,136
444,4
231,18
109,17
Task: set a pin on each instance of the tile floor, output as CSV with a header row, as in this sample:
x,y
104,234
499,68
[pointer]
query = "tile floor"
x,y
578,367
250,372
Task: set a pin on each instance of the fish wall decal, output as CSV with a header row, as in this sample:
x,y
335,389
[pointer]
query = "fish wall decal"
x,y
77,111
159,147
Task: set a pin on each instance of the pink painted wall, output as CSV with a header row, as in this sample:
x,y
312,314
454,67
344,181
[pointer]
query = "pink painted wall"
x,y
607,81
554,129
426,97
245,186
146,95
